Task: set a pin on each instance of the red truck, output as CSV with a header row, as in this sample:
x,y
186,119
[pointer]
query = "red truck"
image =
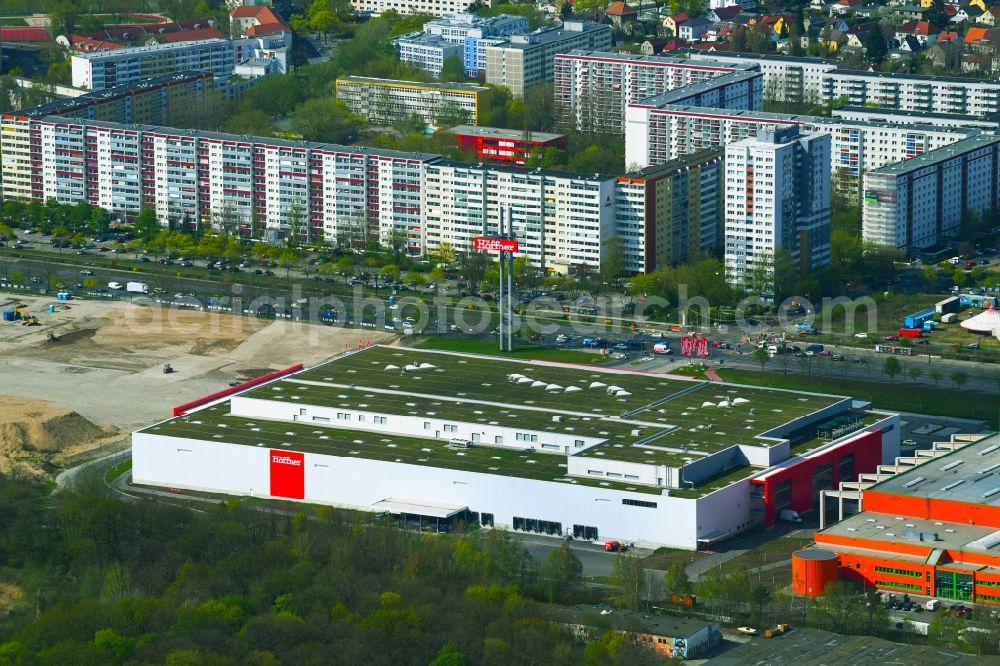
x,y
615,547
910,333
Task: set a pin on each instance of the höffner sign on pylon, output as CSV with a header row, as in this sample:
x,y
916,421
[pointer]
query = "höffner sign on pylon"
x,y
490,244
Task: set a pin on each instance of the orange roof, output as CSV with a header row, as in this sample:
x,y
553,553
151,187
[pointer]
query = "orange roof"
x,y
88,45
974,35
262,13
266,29
619,9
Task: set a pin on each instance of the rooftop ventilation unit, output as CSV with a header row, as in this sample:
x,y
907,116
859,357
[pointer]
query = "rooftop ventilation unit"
x,y
952,485
913,482
952,465
991,492
989,449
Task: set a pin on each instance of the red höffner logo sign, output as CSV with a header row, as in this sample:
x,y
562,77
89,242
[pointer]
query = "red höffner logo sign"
x,y
286,460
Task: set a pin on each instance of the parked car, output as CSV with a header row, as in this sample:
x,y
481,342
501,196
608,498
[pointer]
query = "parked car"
x,y
892,338
747,631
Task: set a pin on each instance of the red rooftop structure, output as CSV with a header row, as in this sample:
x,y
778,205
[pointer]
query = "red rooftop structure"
x,y
504,145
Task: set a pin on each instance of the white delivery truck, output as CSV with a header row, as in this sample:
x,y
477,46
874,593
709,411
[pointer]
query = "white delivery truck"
x,y
137,288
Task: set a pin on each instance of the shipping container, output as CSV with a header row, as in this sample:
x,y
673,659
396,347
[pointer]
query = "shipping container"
x,y
910,333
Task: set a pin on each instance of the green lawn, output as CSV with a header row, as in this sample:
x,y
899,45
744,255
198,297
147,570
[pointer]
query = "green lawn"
x,y
12,21
901,395
118,470
522,351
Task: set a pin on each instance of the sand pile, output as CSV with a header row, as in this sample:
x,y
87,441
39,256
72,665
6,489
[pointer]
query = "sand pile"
x,y
32,430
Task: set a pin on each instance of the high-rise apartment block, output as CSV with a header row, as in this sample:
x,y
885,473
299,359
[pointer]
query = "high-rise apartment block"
x,y
656,134
988,124
410,7
387,101
428,52
151,101
526,60
105,69
815,81
561,219
347,194
777,195
593,88
670,213
464,35
919,202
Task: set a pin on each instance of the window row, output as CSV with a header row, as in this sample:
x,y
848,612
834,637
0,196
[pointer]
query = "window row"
x,y
899,572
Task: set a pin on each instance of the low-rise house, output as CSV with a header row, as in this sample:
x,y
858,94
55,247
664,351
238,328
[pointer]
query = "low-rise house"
x,y
694,29
923,31
620,13
977,63
991,17
724,14
857,34
674,21
910,12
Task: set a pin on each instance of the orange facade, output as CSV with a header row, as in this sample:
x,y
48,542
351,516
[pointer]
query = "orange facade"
x,y
933,509
902,568
813,570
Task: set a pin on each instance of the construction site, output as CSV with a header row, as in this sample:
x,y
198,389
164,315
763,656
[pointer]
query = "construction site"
x,y
79,375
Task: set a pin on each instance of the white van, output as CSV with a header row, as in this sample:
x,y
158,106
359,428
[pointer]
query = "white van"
x,y
932,604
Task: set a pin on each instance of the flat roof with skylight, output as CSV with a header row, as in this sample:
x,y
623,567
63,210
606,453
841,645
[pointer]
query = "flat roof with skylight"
x,y
572,412
968,474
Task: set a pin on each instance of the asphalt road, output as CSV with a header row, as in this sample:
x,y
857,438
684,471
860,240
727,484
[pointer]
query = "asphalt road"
x,y
197,285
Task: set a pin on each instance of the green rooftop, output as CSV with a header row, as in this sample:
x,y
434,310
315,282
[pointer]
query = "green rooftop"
x,y
643,418
216,423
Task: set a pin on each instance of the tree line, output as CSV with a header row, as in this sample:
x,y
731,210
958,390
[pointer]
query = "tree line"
x,y
108,582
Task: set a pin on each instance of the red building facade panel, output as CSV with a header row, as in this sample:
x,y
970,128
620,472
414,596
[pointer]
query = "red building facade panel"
x,y
503,148
866,450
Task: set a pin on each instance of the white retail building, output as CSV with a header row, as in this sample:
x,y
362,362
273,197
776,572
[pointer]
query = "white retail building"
x,y
443,438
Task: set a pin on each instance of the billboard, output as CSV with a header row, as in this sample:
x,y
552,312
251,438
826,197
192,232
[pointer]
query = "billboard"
x,y
288,474
694,345
487,244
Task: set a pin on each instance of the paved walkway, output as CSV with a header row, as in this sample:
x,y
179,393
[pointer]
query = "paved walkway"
x,y
712,376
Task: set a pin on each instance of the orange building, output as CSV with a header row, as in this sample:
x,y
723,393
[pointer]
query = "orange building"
x,y
931,530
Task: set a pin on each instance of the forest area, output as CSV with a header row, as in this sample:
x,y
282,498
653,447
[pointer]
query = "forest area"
x,y
88,579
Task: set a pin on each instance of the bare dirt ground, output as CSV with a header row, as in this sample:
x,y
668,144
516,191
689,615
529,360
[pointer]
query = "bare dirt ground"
x,y
10,597
106,368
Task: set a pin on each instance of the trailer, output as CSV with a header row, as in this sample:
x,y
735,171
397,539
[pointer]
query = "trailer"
x,y
977,301
950,304
910,333
949,318
917,319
